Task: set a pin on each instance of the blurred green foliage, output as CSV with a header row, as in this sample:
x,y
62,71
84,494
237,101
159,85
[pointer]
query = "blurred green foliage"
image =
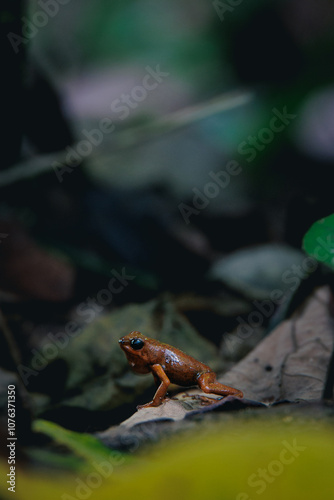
x,y
319,241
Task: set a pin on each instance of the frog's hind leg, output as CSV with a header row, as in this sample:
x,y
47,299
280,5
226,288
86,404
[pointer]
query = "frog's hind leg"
x,y
208,383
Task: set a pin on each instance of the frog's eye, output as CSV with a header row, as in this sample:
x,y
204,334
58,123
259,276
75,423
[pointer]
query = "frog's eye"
x,y
136,344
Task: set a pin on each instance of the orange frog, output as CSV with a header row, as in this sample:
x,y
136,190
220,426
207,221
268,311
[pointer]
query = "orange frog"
x,y
170,365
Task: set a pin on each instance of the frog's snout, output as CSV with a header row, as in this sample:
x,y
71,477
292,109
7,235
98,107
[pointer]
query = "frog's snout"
x,y
122,341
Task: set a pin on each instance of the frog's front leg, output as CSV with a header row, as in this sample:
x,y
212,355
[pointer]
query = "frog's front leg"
x,y
158,374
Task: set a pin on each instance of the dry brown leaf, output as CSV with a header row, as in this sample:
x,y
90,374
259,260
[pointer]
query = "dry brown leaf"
x,y
291,363
169,410
28,272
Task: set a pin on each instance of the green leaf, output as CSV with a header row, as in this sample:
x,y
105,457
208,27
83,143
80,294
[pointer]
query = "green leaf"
x,y
82,445
319,241
54,460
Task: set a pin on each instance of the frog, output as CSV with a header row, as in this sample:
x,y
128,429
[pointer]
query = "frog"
x,y
168,365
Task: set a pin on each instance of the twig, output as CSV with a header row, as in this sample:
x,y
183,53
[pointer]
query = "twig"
x,y
132,137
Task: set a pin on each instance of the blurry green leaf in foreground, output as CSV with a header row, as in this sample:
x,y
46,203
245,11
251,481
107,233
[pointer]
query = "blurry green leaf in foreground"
x,y
319,241
83,445
241,460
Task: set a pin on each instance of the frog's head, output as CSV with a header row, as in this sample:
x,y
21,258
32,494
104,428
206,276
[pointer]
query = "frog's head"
x,y
137,350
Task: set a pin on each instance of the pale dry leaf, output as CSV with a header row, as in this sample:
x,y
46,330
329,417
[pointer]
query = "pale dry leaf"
x,y
169,410
292,361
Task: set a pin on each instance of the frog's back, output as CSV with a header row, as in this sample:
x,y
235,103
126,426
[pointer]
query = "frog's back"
x,y
182,369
